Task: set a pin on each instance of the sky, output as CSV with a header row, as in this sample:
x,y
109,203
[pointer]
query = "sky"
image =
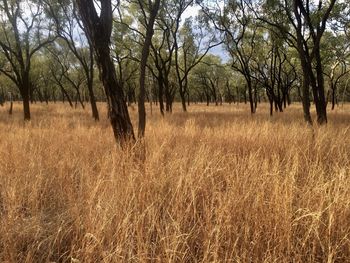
x,y
219,50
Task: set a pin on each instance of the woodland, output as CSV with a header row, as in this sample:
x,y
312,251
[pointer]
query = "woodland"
x,y
174,131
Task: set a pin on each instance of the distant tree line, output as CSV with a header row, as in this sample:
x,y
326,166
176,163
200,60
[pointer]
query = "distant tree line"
x,y
149,51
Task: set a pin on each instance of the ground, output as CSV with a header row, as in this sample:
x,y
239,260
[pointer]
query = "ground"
x,y
217,185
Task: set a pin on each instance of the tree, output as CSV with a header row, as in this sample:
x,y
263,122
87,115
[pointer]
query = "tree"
x,y
303,24
23,34
67,71
123,54
192,44
272,69
336,53
98,28
69,29
152,8
235,21
210,74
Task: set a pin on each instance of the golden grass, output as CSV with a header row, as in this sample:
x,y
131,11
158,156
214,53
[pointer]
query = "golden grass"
x,y
217,186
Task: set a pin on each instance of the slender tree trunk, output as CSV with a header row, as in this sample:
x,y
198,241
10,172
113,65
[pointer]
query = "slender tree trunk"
x,y
333,96
11,104
289,101
66,95
255,98
284,100
271,106
78,98
183,100
168,98
161,96
144,57
92,98
90,76
250,94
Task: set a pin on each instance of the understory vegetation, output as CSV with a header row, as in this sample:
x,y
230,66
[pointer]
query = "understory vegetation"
x,y
217,184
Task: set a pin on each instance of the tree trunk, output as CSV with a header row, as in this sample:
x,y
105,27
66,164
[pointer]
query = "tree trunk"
x,y
289,101
271,107
98,29
66,95
250,94
169,99
322,106
145,53
90,85
26,96
11,104
183,100
92,98
161,96
305,86
333,97
26,105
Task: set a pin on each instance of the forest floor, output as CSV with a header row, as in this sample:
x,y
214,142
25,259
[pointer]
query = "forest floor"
x,y
217,185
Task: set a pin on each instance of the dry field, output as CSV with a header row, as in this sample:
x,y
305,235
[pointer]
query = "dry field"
x,y
217,186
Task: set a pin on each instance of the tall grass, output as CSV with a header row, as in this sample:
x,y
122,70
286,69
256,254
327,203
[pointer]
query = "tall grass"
x,y
218,185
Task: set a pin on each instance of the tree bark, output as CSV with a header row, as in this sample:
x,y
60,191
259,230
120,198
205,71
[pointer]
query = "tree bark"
x,y
98,29
26,105
92,98
144,57
90,86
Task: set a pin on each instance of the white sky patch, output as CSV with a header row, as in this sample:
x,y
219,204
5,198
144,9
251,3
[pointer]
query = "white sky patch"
x,y
191,11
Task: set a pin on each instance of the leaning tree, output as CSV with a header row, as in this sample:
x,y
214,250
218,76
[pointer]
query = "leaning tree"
x,y
97,25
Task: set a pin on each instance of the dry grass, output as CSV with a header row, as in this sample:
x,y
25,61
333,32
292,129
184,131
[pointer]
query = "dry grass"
x,y
217,186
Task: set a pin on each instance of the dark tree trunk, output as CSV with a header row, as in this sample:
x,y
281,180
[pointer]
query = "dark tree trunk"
x,y
284,100
66,95
169,103
306,100
183,100
271,107
161,96
322,106
250,94
98,29
79,99
90,85
289,101
92,98
25,93
169,98
306,83
310,56
26,105
11,104
144,56
333,96
238,95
